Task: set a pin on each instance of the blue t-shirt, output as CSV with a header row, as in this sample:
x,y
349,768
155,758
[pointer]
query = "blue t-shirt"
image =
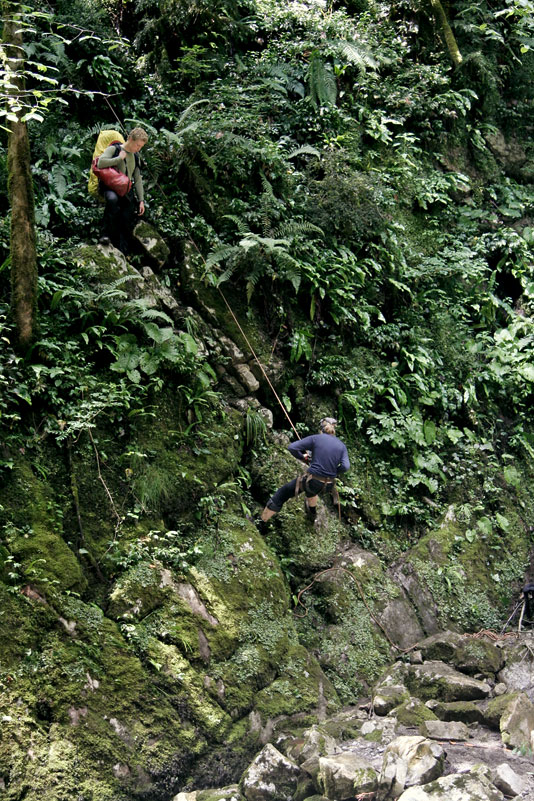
x,y
329,455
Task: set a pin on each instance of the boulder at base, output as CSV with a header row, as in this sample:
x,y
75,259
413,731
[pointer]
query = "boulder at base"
x,y
409,761
271,777
344,776
456,787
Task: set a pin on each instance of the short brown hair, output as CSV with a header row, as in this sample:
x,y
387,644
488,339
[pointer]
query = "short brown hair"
x,y
138,133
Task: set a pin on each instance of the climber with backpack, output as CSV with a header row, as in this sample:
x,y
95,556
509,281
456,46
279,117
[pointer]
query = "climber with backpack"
x,y
116,170
326,457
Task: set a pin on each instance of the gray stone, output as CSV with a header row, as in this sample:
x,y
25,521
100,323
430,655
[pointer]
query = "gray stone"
x,y
409,761
400,622
466,653
444,730
387,698
438,680
316,744
267,416
245,377
500,688
518,673
416,658
231,350
379,729
152,243
517,722
455,787
508,781
270,777
405,575
345,775
464,711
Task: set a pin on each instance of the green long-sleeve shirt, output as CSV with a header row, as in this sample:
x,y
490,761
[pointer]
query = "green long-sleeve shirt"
x,y
127,166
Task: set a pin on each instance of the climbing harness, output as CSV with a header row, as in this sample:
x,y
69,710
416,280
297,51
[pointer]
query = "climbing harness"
x,y
304,478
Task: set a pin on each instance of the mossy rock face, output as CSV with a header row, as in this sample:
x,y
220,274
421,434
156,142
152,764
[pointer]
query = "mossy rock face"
x,y
103,265
413,712
463,711
174,475
34,533
81,712
138,591
151,241
469,654
224,636
496,708
336,621
301,688
230,793
470,579
478,656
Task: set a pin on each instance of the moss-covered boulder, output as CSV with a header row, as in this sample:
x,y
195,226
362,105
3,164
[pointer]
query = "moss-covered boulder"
x,y
460,578
34,535
468,654
463,711
413,712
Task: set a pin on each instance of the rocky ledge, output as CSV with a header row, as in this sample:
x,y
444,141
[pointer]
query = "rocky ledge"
x,y
458,730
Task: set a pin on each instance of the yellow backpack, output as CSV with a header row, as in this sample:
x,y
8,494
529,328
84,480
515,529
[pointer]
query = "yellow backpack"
x,y
105,139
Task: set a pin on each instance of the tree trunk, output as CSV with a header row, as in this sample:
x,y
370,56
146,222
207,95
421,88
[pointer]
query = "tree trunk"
x,y
446,30
20,189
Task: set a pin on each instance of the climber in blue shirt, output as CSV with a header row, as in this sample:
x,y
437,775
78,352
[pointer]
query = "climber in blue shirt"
x,y
328,459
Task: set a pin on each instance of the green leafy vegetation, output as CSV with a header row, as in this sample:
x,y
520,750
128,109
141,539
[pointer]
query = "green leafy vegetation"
x,y
362,195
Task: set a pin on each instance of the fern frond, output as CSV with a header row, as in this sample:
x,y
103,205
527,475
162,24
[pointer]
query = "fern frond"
x,y
156,314
226,274
357,55
221,254
188,110
304,150
241,226
322,81
144,124
295,228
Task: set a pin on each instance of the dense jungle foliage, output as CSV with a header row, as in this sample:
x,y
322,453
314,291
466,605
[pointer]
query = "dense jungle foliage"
x,y
367,201
364,198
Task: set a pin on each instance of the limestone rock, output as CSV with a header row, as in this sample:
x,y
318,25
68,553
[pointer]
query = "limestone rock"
x,y
519,669
463,652
185,796
508,781
413,712
455,787
387,698
444,730
517,722
405,575
464,711
230,793
381,730
231,350
316,744
152,243
495,709
400,621
345,775
246,377
409,761
438,680
270,777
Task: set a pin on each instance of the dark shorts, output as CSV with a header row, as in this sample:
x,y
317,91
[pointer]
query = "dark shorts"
x,y
310,486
